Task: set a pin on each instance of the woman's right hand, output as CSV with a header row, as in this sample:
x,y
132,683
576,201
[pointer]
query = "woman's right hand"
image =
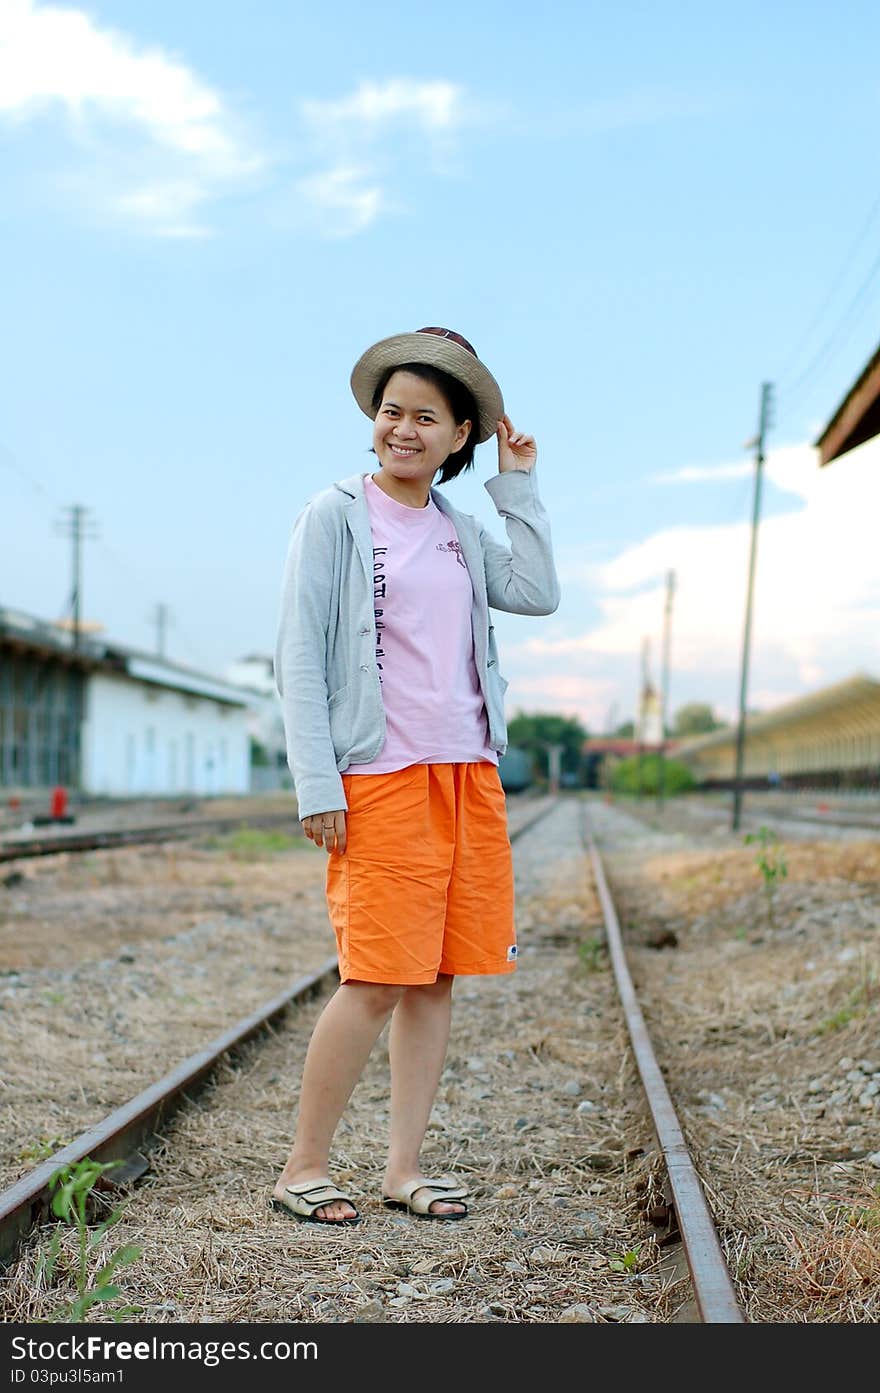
x,y
326,829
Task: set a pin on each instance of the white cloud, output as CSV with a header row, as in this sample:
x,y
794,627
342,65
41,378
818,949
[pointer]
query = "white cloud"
x,y
708,473
816,610
569,692
155,144
344,201
374,127
432,105
131,107
168,206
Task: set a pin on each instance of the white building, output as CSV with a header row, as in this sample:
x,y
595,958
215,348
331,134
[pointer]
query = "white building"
x,y
107,720
256,674
157,730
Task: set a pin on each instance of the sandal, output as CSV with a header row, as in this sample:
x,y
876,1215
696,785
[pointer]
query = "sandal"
x,y
417,1196
300,1202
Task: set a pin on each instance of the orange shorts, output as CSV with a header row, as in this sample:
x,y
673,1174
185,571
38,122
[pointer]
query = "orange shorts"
x,y
425,885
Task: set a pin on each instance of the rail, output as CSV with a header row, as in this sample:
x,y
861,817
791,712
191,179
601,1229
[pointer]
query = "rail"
x,y
713,1288
126,1134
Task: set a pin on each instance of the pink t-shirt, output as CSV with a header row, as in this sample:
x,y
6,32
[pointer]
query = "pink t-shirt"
x,y
422,596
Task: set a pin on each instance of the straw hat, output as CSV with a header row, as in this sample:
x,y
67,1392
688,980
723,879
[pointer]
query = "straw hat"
x,y
441,348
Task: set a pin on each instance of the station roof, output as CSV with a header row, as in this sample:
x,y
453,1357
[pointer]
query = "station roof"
x,y
850,706
26,633
856,419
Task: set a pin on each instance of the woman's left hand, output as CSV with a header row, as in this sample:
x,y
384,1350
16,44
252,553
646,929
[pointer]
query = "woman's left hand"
x,y
515,450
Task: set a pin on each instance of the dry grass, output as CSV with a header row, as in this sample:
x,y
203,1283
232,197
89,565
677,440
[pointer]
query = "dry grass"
x,y
119,964
554,1232
751,1018
569,1213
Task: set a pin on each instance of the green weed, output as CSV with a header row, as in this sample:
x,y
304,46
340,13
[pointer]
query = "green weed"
x,y
591,952
770,861
858,1003
837,1021
866,1216
251,843
70,1187
625,1262
42,1148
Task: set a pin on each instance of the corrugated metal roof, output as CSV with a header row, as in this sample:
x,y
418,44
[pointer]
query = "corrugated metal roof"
x,y
850,692
39,636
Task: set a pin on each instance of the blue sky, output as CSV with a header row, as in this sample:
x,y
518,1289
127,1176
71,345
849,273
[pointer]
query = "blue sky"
x,y
637,213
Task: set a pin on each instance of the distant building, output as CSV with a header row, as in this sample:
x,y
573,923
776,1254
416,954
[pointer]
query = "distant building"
x,y
104,719
256,674
828,739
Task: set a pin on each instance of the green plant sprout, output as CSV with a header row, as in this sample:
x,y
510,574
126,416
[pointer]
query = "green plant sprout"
x,y
625,1262
770,861
42,1148
858,1002
590,953
70,1187
251,843
865,1216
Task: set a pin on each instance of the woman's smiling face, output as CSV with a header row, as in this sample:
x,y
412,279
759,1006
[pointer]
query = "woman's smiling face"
x,y
415,431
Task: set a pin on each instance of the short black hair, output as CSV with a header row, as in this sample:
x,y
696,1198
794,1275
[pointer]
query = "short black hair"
x,y
460,402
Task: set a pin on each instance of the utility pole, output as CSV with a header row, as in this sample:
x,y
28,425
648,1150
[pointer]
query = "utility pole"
x,y
554,758
160,618
611,718
664,689
640,731
764,424
77,525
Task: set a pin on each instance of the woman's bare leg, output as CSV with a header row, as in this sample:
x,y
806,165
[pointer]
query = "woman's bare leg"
x,y
418,1041
346,1032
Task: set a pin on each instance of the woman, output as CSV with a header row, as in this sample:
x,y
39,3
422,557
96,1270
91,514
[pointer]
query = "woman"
x,y
394,715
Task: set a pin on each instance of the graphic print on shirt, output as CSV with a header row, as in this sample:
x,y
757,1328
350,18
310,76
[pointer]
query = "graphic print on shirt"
x,y
423,604
453,546
379,582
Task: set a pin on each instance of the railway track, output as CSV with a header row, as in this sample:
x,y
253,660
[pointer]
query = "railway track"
x,y
713,1289
799,820
15,847
129,1133
131,1130
50,844
126,1135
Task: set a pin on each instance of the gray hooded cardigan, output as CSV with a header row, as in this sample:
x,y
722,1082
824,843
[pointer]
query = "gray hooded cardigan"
x,y
325,660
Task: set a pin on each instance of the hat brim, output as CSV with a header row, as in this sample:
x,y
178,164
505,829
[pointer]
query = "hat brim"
x,y
438,352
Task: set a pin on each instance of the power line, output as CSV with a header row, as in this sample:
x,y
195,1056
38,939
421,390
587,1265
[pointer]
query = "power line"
x,y
138,576
9,460
793,357
808,372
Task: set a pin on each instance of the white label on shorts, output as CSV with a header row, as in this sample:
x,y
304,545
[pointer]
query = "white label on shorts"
x,y
511,952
